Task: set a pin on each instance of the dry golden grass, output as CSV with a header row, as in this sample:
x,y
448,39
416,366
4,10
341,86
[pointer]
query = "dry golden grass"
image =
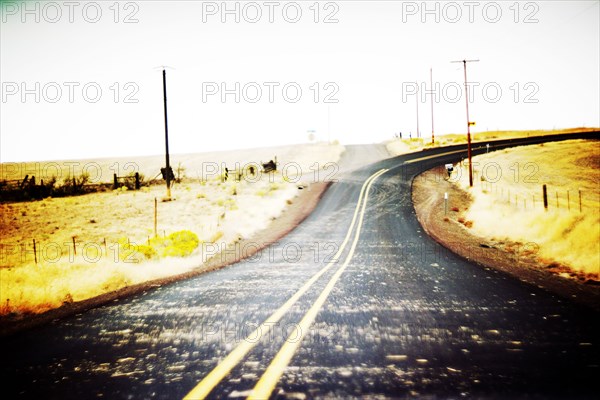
x,y
210,210
403,146
507,200
457,138
219,213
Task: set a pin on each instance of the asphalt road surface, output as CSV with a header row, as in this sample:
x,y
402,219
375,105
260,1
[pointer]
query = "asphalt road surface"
x,y
357,301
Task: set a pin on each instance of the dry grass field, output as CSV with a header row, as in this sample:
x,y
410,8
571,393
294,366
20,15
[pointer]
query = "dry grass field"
x,y
403,146
92,244
203,166
508,201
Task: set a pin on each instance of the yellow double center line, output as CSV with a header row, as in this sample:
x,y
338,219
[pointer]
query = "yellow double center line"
x,y
269,380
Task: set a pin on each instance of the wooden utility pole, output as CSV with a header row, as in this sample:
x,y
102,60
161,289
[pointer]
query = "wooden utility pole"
x,y
168,171
469,123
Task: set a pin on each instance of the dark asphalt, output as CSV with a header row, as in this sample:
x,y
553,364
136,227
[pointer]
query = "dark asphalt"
x,y
407,319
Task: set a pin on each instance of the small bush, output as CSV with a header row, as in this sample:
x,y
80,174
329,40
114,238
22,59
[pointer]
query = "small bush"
x,y
131,252
177,244
69,186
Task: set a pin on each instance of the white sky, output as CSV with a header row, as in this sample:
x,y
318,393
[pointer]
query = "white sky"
x,y
373,55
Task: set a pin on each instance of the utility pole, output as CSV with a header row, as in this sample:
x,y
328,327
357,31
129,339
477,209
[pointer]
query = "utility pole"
x,y
469,123
432,91
168,170
417,98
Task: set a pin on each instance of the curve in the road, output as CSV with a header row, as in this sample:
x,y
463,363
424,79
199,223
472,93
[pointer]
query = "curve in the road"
x,y
405,318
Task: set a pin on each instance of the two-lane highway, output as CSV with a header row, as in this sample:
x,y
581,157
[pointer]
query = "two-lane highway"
x,y
357,301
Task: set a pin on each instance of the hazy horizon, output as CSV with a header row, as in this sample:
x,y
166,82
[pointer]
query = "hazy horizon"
x,y
84,81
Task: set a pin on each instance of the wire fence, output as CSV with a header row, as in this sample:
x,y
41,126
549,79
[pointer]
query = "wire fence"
x,y
546,197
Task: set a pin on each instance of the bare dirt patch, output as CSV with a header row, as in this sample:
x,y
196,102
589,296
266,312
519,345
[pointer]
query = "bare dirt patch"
x,y
518,259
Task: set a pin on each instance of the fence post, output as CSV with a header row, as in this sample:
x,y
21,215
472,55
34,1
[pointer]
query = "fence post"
x,y
557,199
74,247
568,202
446,203
34,252
115,182
545,194
579,200
137,181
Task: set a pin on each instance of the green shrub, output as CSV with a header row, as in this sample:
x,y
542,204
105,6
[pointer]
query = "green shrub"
x,y
131,252
177,244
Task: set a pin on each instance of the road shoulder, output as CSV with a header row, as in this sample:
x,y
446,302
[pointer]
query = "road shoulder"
x,y
448,227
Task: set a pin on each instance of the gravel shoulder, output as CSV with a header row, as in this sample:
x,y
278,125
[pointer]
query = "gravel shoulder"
x,y
519,260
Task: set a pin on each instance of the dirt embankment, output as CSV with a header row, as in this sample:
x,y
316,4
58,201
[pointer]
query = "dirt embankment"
x,y
449,227
292,216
